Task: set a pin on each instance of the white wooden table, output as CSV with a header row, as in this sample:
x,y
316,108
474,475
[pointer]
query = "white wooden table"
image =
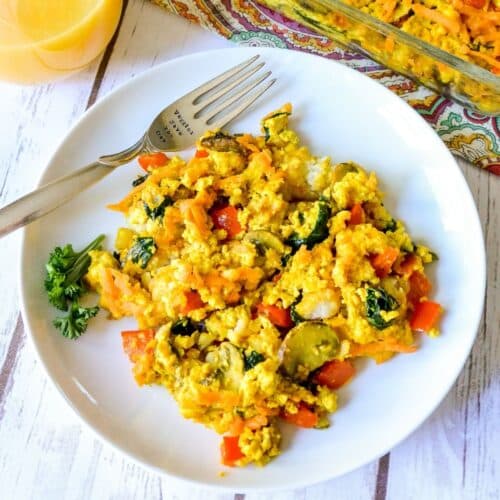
x,y
45,453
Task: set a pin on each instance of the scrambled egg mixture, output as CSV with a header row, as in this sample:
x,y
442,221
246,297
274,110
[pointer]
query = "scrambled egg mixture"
x,y
465,28
257,272
468,29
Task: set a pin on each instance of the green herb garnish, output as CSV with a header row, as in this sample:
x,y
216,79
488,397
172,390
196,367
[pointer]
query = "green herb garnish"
x,y
75,323
65,270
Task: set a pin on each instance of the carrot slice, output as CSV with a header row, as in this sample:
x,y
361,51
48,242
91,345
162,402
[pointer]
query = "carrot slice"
x,y
380,346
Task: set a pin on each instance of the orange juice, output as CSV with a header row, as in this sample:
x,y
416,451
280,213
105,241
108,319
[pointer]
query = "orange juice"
x,y
43,40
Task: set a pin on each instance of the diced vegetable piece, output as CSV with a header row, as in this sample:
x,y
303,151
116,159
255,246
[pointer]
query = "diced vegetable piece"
x,y
183,326
135,341
142,251
226,218
318,233
228,363
252,360
357,215
390,226
265,239
308,346
124,238
158,211
407,266
139,180
477,4
379,301
201,153
382,262
425,316
222,143
304,417
152,160
335,373
193,301
276,315
342,169
230,450
420,287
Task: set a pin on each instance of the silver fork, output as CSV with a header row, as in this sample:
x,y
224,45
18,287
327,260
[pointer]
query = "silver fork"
x,y
211,106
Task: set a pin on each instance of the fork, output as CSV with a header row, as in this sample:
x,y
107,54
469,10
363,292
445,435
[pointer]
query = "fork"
x,y
212,105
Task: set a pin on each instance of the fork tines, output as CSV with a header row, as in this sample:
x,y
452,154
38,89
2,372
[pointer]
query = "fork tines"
x,y
223,98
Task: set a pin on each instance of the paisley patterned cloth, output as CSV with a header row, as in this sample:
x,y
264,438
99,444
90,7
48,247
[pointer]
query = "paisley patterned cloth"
x,y
469,135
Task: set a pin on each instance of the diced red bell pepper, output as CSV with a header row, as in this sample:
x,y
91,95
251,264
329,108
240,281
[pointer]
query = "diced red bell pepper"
x,y
425,316
152,160
357,215
382,262
201,153
277,315
335,373
193,301
304,417
135,341
226,218
230,450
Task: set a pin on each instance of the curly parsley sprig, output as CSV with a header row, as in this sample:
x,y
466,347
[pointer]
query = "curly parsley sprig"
x,y
64,286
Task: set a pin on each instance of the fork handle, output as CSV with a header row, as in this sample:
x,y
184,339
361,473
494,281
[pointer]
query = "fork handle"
x,y
43,200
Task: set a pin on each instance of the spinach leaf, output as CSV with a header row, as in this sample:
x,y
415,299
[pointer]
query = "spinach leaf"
x,y
318,233
158,211
142,251
139,180
378,300
390,226
186,326
252,360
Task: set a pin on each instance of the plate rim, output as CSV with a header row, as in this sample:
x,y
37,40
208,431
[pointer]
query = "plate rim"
x,y
188,481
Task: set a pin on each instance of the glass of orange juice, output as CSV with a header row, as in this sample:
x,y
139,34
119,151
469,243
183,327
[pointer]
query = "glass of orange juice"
x,y
43,40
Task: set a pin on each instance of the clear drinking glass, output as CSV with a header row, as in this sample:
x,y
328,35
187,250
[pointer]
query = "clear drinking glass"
x,y
43,40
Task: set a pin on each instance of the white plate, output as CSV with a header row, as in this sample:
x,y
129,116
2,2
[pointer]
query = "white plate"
x,y
338,112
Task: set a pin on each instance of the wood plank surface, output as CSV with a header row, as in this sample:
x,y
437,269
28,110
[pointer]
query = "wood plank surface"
x,y
46,453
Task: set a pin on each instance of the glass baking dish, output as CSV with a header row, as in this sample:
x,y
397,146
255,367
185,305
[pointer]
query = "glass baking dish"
x,y
462,81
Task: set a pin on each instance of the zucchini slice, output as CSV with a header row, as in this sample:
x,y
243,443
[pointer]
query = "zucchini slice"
x,y
340,170
264,240
223,143
227,360
308,346
318,233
